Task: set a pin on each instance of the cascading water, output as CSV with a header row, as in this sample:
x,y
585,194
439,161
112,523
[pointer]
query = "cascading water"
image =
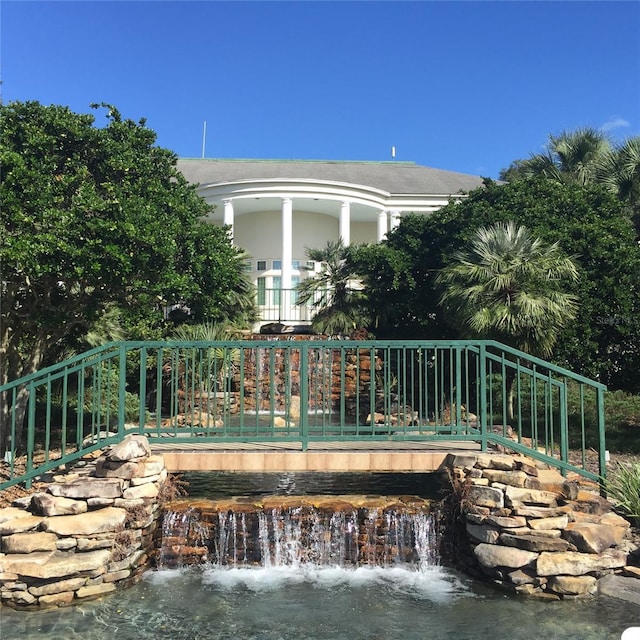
x,y
299,532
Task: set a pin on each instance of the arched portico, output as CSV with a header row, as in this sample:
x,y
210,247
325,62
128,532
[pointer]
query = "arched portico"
x,y
277,210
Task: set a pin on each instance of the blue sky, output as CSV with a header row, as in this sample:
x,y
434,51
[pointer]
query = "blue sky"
x,y
464,86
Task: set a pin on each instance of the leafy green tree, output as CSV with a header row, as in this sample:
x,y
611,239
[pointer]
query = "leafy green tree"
x,y
602,342
334,294
509,286
91,217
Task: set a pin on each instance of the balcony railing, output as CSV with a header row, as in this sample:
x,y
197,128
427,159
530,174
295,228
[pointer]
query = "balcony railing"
x,y
281,305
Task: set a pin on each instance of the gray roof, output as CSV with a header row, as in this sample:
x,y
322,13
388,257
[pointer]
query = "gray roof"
x,y
393,177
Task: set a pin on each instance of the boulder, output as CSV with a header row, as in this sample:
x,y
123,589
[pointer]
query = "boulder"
x,y
486,496
18,525
516,496
557,522
133,447
533,543
574,563
55,564
614,586
29,542
70,584
573,585
491,556
148,490
95,590
86,524
483,533
89,488
594,538
512,478
46,504
151,466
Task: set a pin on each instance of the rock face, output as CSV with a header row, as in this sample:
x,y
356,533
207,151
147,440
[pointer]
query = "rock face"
x,y
89,534
532,532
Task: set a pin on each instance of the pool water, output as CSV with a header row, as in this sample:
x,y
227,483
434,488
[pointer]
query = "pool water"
x,y
320,604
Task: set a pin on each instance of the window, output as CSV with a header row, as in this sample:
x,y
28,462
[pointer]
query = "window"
x,y
295,264
311,265
262,290
248,265
277,283
295,281
277,265
261,265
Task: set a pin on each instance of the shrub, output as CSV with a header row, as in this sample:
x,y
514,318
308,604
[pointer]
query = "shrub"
x,y
623,488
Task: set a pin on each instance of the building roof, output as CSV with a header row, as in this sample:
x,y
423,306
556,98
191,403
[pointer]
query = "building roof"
x,y
393,177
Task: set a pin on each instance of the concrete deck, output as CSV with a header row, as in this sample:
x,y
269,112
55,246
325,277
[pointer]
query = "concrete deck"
x,y
397,457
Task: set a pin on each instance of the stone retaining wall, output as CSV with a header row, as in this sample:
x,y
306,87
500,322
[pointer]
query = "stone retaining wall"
x,y
88,534
524,527
531,531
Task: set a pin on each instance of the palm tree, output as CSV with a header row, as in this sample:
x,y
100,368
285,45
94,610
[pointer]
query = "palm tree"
x,y
619,171
572,156
333,292
510,287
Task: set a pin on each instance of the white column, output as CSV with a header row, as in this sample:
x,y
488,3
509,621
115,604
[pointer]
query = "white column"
x,y
395,218
345,223
228,215
382,225
287,241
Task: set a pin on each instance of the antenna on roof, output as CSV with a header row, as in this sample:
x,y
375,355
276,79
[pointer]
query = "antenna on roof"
x,y
204,136
393,153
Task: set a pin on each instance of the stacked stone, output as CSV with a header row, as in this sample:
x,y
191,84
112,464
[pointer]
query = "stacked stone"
x,y
533,532
89,533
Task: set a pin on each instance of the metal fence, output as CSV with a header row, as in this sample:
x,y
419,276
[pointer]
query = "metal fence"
x,y
301,389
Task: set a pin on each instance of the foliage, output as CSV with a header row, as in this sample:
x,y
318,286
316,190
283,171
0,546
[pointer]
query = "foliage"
x,y
603,341
103,399
212,366
333,293
623,487
571,156
507,285
587,156
93,217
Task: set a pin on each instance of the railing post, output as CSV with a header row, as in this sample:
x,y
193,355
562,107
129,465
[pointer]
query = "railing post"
x,y
482,413
458,395
602,454
143,390
564,425
304,395
31,430
122,386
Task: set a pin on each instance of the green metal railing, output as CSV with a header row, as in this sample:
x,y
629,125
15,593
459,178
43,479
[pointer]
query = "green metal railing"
x,y
301,390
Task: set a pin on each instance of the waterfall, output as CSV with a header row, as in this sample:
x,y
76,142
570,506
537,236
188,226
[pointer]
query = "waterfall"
x,y
321,532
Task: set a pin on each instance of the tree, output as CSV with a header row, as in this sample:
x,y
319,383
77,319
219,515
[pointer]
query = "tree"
x,y
509,286
333,292
602,342
619,171
572,156
587,156
93,217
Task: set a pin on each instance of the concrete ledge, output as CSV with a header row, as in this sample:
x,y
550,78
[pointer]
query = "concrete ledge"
x,y
282,461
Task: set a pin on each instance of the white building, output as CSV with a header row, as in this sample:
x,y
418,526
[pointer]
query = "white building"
x,y
276,209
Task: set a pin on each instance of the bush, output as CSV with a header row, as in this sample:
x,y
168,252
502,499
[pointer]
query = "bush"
x,y
623,488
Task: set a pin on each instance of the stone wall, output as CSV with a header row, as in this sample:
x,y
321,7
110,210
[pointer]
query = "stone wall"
x,y
529,530
89,533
